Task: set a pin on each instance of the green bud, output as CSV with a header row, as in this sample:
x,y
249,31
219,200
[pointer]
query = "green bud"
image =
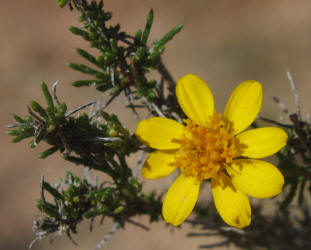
x,y
76,199
112,132
51,128
118,210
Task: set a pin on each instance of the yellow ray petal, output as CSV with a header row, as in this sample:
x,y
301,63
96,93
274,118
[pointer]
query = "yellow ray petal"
x,y
158,165
232,204
262,142
244,105
257,178
195,98
158,132
180,200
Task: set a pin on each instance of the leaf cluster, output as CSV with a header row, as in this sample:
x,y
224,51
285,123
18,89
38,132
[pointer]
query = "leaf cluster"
x,y
295,160
81,200
123,60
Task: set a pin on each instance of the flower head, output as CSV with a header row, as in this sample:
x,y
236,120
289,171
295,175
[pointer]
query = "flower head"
x,y
208,146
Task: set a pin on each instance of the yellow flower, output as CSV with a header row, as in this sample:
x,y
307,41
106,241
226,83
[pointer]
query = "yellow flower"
x,y
208,147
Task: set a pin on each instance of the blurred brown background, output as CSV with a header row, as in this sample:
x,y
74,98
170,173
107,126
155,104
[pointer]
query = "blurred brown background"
x,y
224,42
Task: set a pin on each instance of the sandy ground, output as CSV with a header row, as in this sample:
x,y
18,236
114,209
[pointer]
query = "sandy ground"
x,y
224,42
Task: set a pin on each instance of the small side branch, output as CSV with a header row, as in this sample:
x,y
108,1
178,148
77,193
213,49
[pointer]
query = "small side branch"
x,y
54,93
295,92
107,236
79,108
166,75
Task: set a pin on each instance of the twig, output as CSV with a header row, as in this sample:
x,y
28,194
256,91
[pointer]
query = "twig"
x,y
54,93
177,117
14,125
107,236
106,139
153,107
79,108
130,103
139,163
42,190
213,245
86,173
166,75
106,105
295,92
138,224
275,122
156,108
111,70
70,237
98,107
281,105
81,7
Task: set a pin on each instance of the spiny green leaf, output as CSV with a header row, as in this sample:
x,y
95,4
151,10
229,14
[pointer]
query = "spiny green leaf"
x,y
118,210
104,87
14,132
84,69
81,83
53,191
147,27
80,32
37,107
18,118
47,208
48,152
169,35
87,56
100,4
20,137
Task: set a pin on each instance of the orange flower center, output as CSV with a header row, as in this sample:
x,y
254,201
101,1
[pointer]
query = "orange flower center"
x,y
205,151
